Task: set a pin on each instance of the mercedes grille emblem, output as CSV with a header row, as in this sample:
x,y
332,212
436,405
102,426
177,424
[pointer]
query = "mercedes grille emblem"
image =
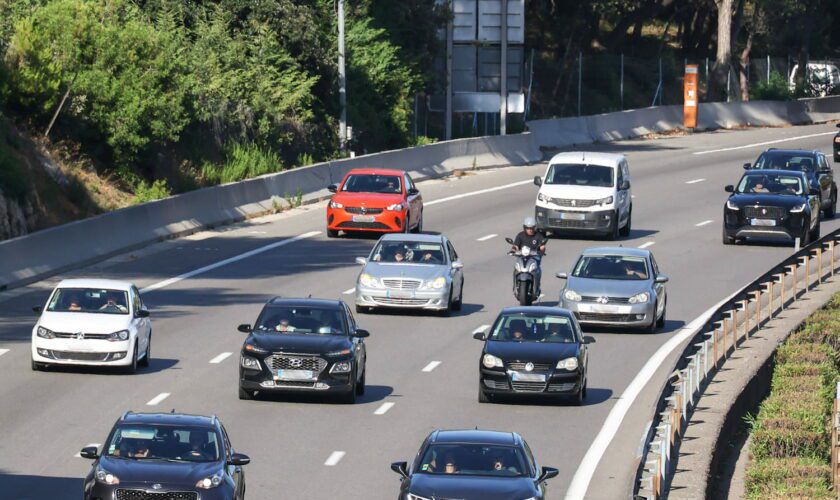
x,y
763,211
529,367
80,336
603,300
157,486
363,210
295,363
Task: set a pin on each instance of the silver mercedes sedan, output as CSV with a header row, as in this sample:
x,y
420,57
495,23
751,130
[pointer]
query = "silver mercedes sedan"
x,y
419,271
616,287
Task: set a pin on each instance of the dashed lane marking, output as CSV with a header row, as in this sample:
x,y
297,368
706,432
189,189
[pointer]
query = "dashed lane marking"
x,y
485,238
158,399
694,181
647,244
382,410
349,291
334,458
705,222
221,357
431,366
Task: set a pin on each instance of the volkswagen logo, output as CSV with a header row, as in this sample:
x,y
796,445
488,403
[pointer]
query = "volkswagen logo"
x,y
363,210
295,363
529,367
157,486
574,203
80,336
603,300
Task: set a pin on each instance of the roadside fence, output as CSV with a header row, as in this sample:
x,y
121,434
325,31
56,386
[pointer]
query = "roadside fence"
x,y
835,441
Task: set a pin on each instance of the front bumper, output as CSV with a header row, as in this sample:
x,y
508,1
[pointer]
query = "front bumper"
x,y
338,219
557,382
81,352
435,300
266,379
632,315
788,227
95,490
574,220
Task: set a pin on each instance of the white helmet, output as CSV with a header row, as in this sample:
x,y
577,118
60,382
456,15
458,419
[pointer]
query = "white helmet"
x,y
529,222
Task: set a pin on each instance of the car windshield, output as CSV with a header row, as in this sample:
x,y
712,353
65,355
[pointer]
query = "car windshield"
x,y
580,175
611,267
771,184
163,442
372,183
408,252
522,327
89,300
786,161
300,320
474,460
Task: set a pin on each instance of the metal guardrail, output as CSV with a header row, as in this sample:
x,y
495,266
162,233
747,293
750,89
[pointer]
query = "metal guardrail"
x,y
736,320
835,441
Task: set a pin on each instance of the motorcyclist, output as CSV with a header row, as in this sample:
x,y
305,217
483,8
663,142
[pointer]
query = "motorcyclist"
x,y
529,237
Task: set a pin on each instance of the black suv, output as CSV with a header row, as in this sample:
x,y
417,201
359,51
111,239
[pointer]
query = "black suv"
x,y
836,143
166,456
813,163
310,345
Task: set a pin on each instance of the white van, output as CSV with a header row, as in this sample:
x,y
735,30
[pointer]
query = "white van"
x,y
585,192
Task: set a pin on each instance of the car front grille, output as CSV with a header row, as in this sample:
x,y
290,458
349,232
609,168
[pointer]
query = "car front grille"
x,y
572,224
614,318
80,356
401,283
519,366
363,211
769,212
528,386
86,336
392,301
610,300
285,362
564,202
124,494
362,225
561,387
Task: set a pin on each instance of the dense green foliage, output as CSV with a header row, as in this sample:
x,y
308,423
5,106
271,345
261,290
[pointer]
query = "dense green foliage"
x,y
776,88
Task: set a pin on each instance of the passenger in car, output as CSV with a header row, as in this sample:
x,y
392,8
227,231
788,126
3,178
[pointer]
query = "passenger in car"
x,y
284,326
450,467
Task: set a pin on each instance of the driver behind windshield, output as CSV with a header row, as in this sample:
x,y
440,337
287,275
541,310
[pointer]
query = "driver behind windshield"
x,y
114,301
529,237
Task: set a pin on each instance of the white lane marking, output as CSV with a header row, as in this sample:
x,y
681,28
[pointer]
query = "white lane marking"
x,y
765,143
701,224
647,244
382,410
586,469
485,238
221,357
480,329
227,261
334,458
157,399
3,351
349,291
474,193
431,366
79,453
694,181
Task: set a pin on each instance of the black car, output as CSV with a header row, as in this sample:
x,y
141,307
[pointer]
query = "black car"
x,y
473,465
534,351
813,163
772,204
303,345
837,145
166,455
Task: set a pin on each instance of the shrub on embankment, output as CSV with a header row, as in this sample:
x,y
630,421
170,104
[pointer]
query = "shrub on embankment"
x,y
791,435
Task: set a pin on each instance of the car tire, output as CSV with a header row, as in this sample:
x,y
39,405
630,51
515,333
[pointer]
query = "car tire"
x,y
419,227
245,395
456,306
805,239
449,307
360,385
349,398
652,327
579,398
362,310
660,323
815,234
836,158
614,229
727,240
148,356
332,233
132,367
625,231
37,367
831,211
407,223
483,397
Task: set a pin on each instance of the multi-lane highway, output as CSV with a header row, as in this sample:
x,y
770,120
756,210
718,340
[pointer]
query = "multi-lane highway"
x,y
422,370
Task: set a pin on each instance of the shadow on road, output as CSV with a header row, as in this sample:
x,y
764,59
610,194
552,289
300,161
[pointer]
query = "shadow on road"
x,y
372,393
29,487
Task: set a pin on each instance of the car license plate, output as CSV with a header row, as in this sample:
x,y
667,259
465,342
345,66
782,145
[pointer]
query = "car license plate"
x,y
527,377
605,309
572,216
363,218
398,294
763,222
295,374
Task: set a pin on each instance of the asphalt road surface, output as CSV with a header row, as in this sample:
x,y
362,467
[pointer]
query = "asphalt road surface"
x,y
422,369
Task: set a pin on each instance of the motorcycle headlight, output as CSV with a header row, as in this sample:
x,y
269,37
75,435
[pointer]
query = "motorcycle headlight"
x,y
605,201
490,361
396,207
210,482
119,336
105,477
44,333
526,251
342,367
798,209
250,363
571,295
435,284
567,364
335,204
369,281
640,298
732,206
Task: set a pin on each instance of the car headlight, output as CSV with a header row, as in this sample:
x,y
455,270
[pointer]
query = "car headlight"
x,y
798,209
412,496
543,197
253,348
44,333
732,206
567,364
369,281
490,361
571,295
250,363
335,204
604,201
119,336
435,284
105,477
396,207
640,298
342,367
210,482
343,352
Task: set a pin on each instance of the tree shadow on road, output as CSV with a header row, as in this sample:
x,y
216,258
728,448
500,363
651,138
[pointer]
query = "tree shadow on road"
x,y
30,487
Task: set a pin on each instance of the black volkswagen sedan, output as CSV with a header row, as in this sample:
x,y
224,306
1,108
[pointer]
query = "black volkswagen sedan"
x,y
473,465
166,455
533,351
772,204
299,345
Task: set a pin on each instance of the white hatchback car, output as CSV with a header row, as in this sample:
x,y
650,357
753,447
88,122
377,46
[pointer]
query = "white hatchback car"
x,y
92,323
585,192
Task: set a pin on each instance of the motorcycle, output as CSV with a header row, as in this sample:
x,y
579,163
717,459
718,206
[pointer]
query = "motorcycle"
x,y
525,270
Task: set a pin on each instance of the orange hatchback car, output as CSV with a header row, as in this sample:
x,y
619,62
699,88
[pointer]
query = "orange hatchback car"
x,y
375,199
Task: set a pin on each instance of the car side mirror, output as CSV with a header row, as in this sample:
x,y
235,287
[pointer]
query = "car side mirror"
x,y
332,188
479,336
457,265
37,309
142,313
625,185
361,334
89,452
538,180
729,188
838,125
588,339
244,328
239,459
747,166
661,279
509,240
400,468
548,473
413,191
562,276
361,260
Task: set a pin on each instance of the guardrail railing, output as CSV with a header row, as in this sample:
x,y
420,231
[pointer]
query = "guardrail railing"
x,y
733,322
835,440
